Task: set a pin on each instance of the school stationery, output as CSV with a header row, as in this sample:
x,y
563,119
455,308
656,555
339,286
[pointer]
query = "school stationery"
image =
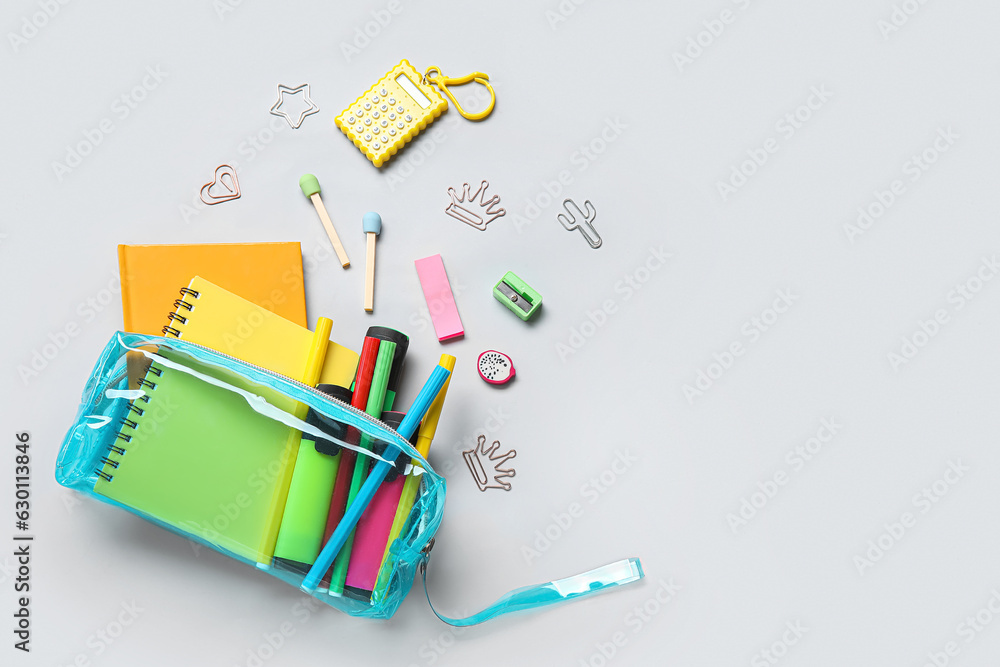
x,y
439,297
495,367
266,274
402,342
484,464
342,485
353,512
376,399
228,190
398,342
517,296
345,395
342,394
308,502
411,485
310,188
209,315
372,224
473,208
582,220
311,107
400,105
196,448
373,529
369,531
190,460
190,455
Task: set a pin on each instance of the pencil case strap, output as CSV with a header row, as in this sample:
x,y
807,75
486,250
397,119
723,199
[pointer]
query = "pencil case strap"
x,y
608,576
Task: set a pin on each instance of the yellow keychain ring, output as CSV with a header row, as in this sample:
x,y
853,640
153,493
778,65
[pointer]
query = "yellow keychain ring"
x,y
442,82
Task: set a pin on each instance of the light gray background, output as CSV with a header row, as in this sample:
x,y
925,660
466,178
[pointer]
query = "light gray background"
x,y
656,185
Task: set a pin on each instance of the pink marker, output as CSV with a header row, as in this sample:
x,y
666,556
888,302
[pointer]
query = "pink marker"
x,y
439,298
370,539
372,532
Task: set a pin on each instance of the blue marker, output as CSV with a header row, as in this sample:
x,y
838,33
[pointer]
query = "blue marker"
x,y
409,424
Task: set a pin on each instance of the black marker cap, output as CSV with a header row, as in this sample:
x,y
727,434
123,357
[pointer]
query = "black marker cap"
x,y
402,342
393,419
333,427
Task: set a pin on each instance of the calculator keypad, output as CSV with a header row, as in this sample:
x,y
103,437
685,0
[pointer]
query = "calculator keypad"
x,y
386,117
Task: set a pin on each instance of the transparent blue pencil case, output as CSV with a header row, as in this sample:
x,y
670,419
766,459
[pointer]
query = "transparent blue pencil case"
x,y
243,460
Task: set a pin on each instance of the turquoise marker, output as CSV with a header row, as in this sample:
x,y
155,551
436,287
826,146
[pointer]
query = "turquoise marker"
x,y
376,401
413,416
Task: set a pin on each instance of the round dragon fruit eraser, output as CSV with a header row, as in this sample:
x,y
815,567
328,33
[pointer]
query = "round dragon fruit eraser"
x,y
495,367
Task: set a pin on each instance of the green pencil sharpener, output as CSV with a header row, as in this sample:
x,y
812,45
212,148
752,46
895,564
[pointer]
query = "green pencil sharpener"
x,y
517,295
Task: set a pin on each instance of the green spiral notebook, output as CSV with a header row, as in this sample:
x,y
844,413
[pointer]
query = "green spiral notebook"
x,y
199,458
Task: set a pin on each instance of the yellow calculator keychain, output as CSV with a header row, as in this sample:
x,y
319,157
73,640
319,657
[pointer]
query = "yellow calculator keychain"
x,y
401,104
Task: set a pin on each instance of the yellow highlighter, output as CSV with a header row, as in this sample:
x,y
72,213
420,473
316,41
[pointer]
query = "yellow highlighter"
x,y
412,485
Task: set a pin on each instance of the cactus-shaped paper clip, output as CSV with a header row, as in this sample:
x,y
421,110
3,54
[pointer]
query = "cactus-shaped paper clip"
x,y
481,473
586,226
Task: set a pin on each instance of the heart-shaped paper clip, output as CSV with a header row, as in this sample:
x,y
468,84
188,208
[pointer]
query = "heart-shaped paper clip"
x,y
231,189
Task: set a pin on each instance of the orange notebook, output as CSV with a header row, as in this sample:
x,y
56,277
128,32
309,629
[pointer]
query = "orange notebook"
x,y
267,274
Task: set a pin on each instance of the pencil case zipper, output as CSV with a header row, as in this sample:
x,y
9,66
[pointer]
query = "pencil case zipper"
x,y
324,398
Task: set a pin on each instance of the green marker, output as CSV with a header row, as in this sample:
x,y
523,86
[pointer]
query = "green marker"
x,y
376,401
402,343
301,533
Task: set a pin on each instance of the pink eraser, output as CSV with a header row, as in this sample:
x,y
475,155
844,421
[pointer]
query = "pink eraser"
x,y
371,535
440,300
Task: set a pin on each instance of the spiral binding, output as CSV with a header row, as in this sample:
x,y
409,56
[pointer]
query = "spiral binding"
x,y
175,316
133,424
150,368
130,423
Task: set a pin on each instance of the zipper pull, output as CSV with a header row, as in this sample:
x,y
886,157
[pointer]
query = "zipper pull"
x,y
609,576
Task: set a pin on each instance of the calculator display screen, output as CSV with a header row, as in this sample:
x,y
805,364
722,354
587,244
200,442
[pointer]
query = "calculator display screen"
x,y
411,89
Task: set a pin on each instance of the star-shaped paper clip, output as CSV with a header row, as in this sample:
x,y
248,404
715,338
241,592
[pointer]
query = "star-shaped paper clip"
x,y
285,90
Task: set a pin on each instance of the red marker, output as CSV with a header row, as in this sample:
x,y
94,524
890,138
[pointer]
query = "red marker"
x,y
362,385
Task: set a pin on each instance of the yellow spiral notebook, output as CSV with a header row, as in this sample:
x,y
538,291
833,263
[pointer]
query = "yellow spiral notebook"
x,y
210,315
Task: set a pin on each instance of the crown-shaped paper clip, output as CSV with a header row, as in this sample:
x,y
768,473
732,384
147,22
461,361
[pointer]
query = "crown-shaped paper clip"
x,y
474,459
491,206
